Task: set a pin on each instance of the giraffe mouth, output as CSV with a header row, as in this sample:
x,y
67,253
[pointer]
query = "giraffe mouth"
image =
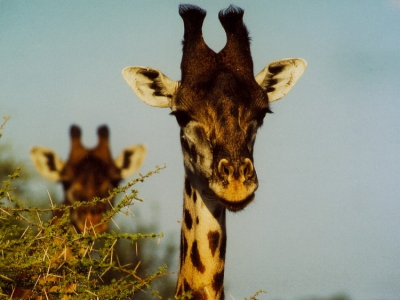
x,y
89,219
234,195
238,205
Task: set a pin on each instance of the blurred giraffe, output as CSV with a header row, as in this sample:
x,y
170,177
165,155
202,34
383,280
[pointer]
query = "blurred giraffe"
x,y
87,174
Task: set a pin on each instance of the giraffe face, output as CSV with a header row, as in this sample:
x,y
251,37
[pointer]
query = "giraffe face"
x,y
88,174
219,104
85,180
219,122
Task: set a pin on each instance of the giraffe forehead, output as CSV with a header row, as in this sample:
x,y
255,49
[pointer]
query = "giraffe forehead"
x,y
90,166
224,101
222,93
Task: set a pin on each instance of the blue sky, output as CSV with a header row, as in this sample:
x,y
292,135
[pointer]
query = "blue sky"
x,y
326,218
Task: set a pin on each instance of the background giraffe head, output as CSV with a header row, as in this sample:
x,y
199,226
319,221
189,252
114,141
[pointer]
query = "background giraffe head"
x,y
219,105
88,173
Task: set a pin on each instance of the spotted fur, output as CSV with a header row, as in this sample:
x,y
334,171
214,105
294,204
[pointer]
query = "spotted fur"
x,y
219,106
213,241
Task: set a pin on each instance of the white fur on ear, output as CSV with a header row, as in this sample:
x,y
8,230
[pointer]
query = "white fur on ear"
x,y
150,85
47,163
279,77
131,159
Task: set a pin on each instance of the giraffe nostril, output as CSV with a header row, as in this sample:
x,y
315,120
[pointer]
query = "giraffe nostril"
x,y
225,168
247,169
228,171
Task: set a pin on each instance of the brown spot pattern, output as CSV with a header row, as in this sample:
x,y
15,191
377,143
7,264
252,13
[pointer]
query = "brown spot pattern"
x,y
218,282
188,187
196,259
200,295
188,219
194,196
213,241
186,286
184,249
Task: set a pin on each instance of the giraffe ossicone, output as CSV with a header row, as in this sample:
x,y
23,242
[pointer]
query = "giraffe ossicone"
x,y
219,105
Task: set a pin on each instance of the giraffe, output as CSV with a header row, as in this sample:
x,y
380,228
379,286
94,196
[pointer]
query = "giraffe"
x,y
219,105
88,173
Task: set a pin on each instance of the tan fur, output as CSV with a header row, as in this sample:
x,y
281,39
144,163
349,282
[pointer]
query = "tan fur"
x,y
219,106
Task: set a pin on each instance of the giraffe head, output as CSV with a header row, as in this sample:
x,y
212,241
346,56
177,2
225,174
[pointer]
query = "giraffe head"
x,y
88,173
218,104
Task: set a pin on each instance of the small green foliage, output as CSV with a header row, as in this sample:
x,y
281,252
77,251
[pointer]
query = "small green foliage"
x,y
53,261
256,294
5,118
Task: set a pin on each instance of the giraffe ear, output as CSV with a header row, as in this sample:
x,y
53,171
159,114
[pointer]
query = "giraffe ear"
x,y
150,85
47,163
131,159
279,77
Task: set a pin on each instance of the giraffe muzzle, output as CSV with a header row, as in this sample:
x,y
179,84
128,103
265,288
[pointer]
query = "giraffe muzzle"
x,y
230,172
235,183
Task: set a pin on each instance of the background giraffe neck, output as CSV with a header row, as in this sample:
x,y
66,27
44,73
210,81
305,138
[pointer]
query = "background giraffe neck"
x,y
203,244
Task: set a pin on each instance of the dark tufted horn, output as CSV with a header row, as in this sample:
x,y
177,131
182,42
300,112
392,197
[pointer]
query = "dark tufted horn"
x,y
198,59
236,54
76,144
103,147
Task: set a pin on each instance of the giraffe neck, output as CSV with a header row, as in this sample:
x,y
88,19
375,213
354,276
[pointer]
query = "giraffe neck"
x,y
203,244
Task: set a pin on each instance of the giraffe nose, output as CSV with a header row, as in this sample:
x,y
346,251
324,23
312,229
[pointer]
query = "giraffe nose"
x,y
242,171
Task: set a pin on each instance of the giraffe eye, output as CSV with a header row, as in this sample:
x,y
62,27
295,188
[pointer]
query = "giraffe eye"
x,y
182,117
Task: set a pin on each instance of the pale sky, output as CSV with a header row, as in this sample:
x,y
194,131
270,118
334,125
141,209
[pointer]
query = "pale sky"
x,y
326,218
